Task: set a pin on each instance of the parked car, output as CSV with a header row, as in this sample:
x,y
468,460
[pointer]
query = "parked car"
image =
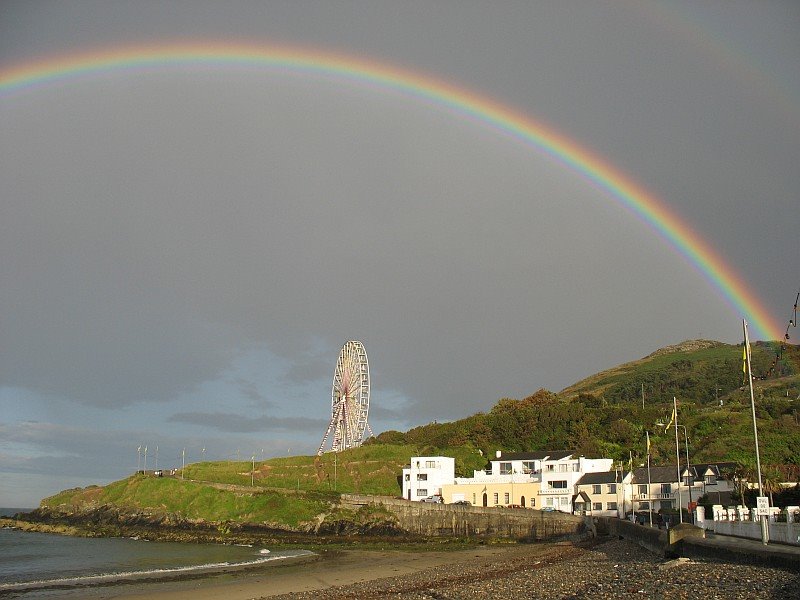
x,y
463,503
435,499
548,509
515,506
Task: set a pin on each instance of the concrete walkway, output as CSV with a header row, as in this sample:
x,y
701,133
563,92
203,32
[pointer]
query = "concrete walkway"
x,y
737,549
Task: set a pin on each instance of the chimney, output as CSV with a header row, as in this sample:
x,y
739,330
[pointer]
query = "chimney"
x,y
498,454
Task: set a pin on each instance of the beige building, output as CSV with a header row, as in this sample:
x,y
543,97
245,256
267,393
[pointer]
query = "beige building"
x,y
494,493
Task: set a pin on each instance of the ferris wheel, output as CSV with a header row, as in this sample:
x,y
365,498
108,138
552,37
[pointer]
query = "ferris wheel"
x,y
349,399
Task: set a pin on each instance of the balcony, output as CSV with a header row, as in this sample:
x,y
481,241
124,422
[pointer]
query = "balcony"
x,y
670,496
554,492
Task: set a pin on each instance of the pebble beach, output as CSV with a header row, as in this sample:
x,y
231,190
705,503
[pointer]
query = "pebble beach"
x,y
611,569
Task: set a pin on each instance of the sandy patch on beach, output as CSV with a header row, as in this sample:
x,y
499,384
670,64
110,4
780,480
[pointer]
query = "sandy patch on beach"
x,y
326,570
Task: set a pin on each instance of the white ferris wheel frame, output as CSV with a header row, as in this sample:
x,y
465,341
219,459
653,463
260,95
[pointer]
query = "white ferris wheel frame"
x,y
349,399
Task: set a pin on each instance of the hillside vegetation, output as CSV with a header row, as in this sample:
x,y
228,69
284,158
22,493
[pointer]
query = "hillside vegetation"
x,y
602,415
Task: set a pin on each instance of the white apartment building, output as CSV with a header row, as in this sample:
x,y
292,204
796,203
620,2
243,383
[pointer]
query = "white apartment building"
x,y
425,475
561,474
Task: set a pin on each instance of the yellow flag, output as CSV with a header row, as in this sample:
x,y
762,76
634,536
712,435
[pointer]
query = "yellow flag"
x,y
671,420
648,445
744,359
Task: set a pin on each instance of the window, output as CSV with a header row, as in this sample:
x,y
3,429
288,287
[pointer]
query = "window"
x,y
666,488
597,489
422,492
666,504
408,477
563,468
558,484
422,477
496,498
575,467
528,466
597,506
533,501
505,468
474,500
612,488
506,498
644,506
550,468
711,479
430,464
564,501
687,480
548,502
643,489
611,506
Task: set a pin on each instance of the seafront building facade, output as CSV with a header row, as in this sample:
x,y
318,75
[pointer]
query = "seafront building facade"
x,y
425,475
544,480
559,481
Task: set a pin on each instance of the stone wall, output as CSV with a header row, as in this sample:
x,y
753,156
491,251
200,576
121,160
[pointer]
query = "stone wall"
x,y
649,538
449,520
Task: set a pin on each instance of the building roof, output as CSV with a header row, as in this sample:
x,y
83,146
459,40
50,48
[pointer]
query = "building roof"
x,y
719,469
661,474
539,455
601,477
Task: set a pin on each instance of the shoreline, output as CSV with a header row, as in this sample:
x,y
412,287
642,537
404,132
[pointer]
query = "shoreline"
x,y
326,570
602,568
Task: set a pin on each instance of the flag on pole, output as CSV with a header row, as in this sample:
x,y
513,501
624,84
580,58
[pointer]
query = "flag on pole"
x,y
744,359
648,443
671,419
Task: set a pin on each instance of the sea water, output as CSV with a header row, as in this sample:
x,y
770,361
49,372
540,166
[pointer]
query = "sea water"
x,y
36,564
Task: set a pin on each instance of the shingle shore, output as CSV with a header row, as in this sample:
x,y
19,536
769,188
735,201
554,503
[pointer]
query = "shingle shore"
x,y
612,569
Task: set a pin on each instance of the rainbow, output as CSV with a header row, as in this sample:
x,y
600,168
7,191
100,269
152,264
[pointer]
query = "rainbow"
x,y
435,92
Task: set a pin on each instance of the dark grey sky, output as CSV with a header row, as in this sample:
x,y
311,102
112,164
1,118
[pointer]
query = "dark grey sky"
x,y
185,250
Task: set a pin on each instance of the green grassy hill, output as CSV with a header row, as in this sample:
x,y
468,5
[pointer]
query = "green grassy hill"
x,y
601,415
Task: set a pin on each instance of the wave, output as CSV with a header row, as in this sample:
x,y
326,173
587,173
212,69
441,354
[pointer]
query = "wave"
x,y
105,578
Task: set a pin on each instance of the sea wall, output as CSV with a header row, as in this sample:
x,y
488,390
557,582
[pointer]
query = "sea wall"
x,y
449,520
654,540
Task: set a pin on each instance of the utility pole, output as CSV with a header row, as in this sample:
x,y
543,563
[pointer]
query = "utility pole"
x,y
642,396
183,461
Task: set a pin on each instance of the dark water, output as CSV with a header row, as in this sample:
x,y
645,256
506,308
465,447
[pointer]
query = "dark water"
x,y
10,512
33,563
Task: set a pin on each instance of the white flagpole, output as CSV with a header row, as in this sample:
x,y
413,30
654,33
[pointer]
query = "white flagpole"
x,y
633,505
678,458
649,496
764,527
